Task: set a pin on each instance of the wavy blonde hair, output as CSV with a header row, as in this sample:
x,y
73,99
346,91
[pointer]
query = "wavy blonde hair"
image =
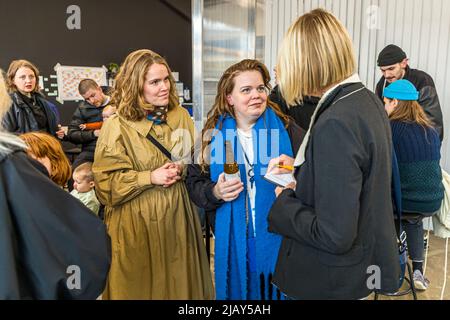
x,y
5,100
12,70
128,95
7,141
41,145
221,106
316,53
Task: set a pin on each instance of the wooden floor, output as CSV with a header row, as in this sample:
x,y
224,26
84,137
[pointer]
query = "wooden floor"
x,y
434,272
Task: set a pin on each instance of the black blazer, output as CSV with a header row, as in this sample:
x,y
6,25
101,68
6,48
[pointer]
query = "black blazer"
x,y
339,220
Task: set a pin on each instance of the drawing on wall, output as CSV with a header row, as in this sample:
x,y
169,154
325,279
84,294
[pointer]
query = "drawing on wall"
x,y
70,76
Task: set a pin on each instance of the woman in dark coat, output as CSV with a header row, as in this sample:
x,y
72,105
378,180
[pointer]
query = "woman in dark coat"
x,y
30,111
339,239
245,252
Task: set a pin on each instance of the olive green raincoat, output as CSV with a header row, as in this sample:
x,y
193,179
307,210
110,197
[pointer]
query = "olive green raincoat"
x,y
157,245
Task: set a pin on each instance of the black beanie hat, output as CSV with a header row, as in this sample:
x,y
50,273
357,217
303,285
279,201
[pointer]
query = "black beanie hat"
x,y
391,55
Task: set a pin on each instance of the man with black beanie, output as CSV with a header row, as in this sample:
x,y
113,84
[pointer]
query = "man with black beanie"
x,y
393,63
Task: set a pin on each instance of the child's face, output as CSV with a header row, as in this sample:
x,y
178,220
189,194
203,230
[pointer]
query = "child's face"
x,y
108,113
80,184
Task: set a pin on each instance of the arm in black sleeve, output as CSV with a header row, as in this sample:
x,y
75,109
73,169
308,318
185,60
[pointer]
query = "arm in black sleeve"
x,y
331,225
200,188
429,101
75,134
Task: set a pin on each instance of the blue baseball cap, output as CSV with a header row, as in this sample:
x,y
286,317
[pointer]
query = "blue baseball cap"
x,y
401,90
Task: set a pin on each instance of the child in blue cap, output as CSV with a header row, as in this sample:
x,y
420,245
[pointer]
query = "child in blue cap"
x,y
417,147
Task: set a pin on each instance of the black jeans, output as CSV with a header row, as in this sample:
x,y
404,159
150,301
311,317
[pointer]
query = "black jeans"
x,y
414,237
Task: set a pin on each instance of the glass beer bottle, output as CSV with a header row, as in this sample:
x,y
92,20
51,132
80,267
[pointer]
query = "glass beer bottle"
x,y
230,167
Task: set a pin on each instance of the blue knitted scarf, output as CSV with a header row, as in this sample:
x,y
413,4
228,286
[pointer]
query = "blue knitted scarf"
x,y
231,250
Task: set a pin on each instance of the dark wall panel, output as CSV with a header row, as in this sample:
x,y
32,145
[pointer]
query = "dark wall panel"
x,y
37,31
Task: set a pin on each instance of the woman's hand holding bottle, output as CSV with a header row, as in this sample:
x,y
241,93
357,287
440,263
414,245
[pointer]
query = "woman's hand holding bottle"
x,y
227,190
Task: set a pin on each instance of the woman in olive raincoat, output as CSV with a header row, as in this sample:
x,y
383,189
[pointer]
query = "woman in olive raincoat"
x,y
157,245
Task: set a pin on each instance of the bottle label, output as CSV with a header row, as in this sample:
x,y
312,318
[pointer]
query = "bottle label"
x,y
232,176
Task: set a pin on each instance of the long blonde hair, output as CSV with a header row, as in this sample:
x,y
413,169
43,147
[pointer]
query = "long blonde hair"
x,y
7,141
221,106
41,145
5,100
128,95
316,53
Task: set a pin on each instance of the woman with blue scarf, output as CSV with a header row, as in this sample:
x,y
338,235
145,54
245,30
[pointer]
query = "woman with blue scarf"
x,y
245,252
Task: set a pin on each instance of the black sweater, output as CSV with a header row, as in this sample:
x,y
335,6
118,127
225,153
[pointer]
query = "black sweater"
x,y
301,113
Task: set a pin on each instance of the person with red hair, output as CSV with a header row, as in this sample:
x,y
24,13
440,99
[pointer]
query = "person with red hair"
x,y
48,151
51,246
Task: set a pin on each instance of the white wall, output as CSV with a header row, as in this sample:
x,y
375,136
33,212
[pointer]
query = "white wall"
x,y
421,28
223,33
